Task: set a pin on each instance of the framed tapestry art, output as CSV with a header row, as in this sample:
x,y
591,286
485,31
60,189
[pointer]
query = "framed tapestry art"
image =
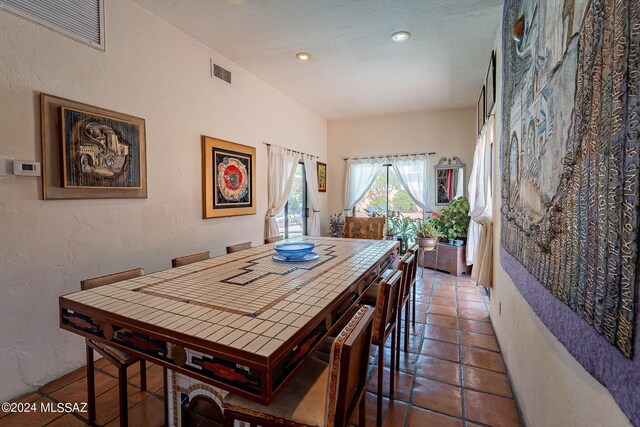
x,y
228,178
322,177
89,152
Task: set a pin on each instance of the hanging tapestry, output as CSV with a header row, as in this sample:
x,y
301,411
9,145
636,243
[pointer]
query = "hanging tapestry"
x,y
570,159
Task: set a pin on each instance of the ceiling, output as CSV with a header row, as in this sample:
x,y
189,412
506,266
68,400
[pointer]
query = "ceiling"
x,y
356,70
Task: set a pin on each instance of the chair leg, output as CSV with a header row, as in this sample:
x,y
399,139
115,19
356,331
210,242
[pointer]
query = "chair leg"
x,y
397,352
392,376
380,379
143,375
407,306
123,401
363,411
413,312
91,388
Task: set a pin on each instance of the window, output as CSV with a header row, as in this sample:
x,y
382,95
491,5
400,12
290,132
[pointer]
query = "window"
x,y
387,193
292,221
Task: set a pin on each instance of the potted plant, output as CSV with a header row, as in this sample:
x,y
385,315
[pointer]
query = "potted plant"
x,y
393,218
428,233
454,220
336,224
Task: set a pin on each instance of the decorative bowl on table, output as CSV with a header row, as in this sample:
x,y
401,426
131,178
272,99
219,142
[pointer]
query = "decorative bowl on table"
x,y
295,252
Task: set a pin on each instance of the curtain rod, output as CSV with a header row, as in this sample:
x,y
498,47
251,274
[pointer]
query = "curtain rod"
x,y
390,155
289,149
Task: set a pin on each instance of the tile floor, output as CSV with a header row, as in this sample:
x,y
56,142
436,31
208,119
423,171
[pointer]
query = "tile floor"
x,y
452,375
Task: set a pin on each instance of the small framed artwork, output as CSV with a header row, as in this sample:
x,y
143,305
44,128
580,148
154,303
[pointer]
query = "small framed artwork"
x,y
322,177
228,178
91,153
490,86
481,113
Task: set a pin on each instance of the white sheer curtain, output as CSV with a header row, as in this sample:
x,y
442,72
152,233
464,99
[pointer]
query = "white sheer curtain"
x,y
413,173
480,236
310,170
280,173
360,176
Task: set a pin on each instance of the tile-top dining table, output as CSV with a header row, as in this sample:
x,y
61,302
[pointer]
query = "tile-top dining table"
x,y
242,322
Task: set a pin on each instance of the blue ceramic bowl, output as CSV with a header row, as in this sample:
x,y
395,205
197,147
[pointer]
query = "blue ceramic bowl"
x,y
294,250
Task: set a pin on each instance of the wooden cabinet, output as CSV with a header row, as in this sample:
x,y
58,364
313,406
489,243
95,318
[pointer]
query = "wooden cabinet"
x,y
450,259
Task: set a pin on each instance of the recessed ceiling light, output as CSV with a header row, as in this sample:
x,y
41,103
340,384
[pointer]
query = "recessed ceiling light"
x,y
303,56
400,36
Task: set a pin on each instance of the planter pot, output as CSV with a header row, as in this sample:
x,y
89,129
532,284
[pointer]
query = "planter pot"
x,y
391,236
427,242
458,242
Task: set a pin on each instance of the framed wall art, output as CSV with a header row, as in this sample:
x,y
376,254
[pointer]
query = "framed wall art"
x,y
90,152
481,113
490,86
228,178
322,177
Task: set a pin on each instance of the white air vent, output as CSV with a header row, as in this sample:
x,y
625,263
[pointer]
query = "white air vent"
x,y
81,20
221,73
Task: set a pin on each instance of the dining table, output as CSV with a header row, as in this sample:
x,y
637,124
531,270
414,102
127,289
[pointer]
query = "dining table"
x,y
241,322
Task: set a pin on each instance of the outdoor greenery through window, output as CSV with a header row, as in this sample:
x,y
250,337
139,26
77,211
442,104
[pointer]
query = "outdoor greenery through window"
x,y
386,193
292,221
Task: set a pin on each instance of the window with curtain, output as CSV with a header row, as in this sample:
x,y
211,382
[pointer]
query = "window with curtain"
x,y
292,220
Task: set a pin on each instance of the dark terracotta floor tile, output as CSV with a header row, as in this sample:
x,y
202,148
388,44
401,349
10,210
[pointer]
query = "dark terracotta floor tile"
x,y
421,418
107,403
33,418
441,350
475,326
417,330
68,420
446,321
148,413
492,410
469,297
155,380
442,310
438,370
414,343
476,305
437,396
487,342
444,294
64,381
448,302
487,381
441,333
468,290
483,359
403,384
76,392
469,313
113,371
407,361
101,363
393,412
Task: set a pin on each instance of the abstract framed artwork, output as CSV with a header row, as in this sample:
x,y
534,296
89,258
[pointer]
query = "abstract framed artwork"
x,y
480,111
490,86
90,152
322,177
228,178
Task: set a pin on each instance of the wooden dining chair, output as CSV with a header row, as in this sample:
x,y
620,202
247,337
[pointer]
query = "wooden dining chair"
x,y
190,259
364,228
273,239
239,247
121,359
414,250
407,267
319,394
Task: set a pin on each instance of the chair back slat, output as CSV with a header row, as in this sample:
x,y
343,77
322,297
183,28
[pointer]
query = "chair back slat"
x,y
273,239
348,366
190,259
407,266
364,228
96,282
386,305
239,247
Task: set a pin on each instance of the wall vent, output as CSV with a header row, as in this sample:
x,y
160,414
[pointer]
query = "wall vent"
x,y
221,73
80,20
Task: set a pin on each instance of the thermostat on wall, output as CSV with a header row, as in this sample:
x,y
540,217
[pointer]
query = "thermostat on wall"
x,y
25,168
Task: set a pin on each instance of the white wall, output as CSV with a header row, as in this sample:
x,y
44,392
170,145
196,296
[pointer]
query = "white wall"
x,y
150,70
448,133
552,388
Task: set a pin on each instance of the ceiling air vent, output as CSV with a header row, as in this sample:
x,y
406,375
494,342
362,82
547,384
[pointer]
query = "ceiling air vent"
x,y
221,73
81,20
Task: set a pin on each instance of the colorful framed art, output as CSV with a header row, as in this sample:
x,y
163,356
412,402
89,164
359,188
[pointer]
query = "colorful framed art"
x,y
91,153
322,177
228,178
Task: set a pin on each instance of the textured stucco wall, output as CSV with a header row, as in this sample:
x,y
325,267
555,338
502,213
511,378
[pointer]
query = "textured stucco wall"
x,y
552,388
150,70
448,133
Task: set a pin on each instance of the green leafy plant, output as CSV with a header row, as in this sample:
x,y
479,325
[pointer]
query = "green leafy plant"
x,y
454,218
393,219
428,229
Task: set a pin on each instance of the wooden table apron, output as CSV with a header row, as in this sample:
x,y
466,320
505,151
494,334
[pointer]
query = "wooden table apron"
x,y
259,377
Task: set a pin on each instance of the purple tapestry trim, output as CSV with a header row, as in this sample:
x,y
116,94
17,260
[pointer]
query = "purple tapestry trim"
x,y
605,362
